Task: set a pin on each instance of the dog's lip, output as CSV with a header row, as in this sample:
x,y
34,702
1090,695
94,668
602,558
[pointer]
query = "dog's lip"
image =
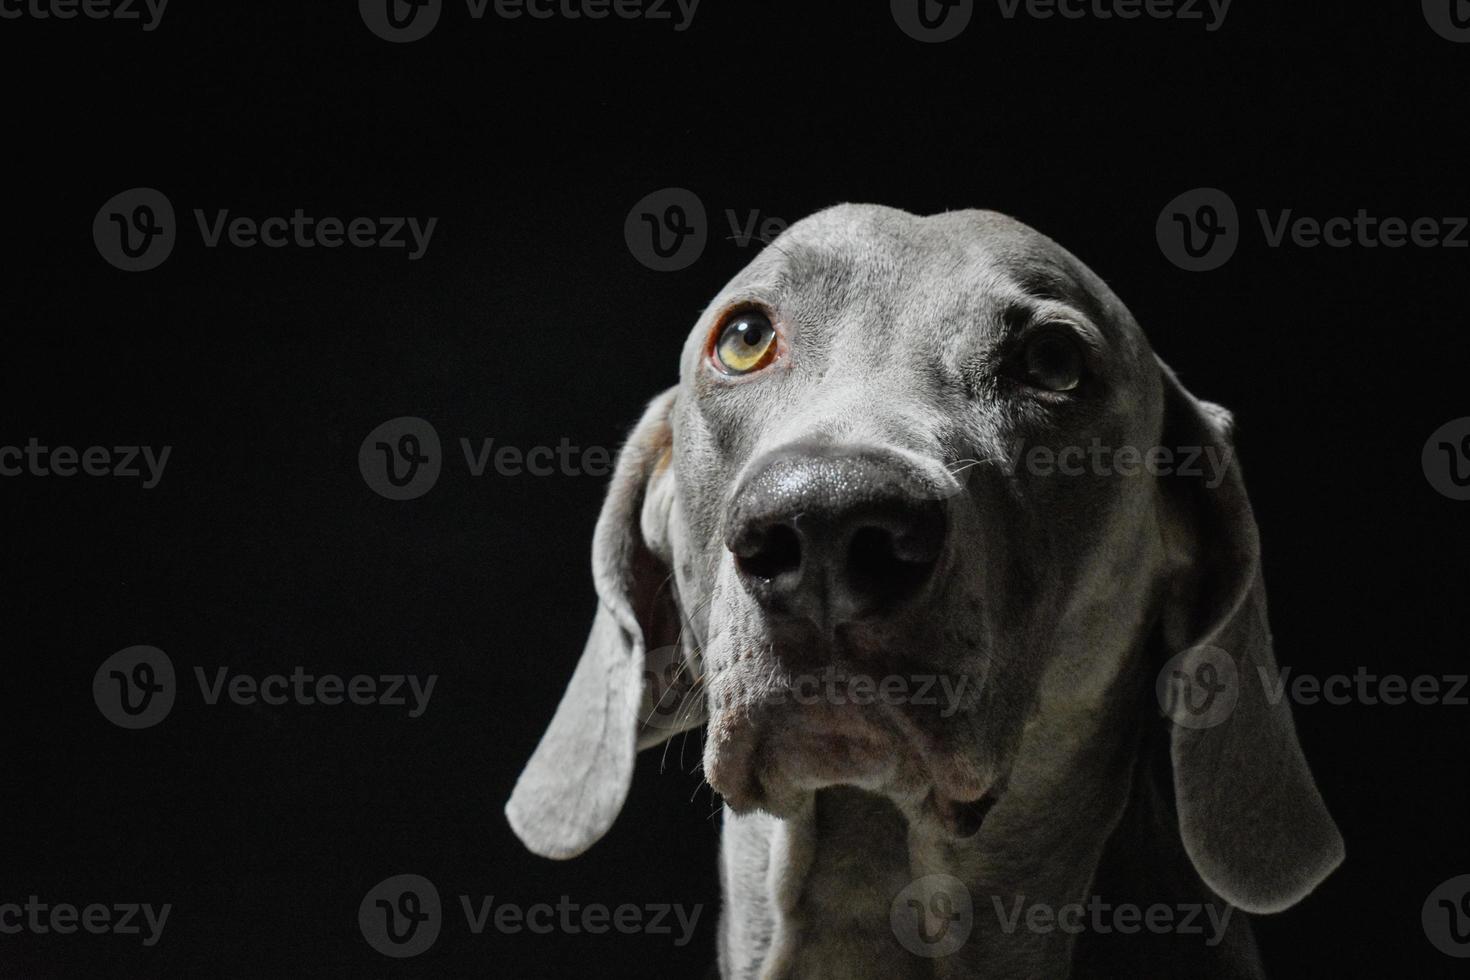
x,y
730,762
944,789
847,747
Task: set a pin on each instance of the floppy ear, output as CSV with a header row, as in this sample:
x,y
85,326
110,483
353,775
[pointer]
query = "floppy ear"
x,y
1251,818
632,687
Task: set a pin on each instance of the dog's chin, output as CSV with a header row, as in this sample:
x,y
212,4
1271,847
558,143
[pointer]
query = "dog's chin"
x,y
777,762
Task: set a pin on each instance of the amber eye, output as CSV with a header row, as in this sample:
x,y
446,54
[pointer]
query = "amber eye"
x,y
1052,360
747,342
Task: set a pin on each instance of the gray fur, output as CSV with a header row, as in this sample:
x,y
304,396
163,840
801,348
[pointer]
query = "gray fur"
x,y
1055,597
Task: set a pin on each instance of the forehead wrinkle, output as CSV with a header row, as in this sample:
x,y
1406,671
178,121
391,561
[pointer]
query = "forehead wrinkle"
x,y
1040,287
794,274
1056,286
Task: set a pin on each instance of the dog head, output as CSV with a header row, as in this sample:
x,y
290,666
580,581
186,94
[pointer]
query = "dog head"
x,y
919,481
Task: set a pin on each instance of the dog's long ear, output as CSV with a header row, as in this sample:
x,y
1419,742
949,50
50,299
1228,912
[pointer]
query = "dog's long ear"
x,y
1251,818
632,687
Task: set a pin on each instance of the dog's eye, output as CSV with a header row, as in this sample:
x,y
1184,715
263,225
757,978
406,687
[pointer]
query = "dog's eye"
x,y
1052,360
747,343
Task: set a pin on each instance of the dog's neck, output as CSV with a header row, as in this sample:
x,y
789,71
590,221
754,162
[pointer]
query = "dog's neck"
x,y
826,895
821,903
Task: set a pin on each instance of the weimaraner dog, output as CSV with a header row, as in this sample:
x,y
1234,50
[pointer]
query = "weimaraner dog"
x,y
890,542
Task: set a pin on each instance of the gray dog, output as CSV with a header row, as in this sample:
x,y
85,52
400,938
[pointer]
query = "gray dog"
x,y
976,651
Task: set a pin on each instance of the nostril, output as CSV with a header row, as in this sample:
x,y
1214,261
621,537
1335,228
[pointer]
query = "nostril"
x,y
769,552
886,563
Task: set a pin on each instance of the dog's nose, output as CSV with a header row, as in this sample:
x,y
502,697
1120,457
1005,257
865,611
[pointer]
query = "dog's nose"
x,y
835,537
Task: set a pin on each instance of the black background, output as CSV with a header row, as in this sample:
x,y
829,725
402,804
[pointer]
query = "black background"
x,y
529,320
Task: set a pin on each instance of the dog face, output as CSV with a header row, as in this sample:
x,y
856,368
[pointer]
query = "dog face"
x,y
853,509
910,456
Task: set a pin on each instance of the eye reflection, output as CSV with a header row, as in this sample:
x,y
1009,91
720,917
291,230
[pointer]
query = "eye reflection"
x,y
1052,360
747,343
